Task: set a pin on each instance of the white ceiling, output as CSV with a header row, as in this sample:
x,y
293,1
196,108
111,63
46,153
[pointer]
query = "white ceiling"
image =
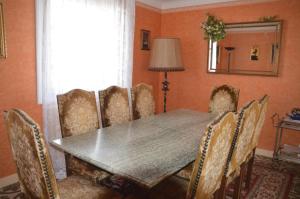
x,y
169,4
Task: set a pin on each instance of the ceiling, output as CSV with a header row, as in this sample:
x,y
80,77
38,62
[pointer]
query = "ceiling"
x,y
170,4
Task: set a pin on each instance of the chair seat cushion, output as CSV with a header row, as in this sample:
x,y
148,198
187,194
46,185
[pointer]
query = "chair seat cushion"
x,y
74,187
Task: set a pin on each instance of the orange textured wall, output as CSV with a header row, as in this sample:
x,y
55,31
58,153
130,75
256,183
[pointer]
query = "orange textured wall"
x,y
18,76
192,88
147,19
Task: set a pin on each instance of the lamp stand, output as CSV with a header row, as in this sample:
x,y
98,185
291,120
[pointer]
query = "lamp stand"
x,y
165,88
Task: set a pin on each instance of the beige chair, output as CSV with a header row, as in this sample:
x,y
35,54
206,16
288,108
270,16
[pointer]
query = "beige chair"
x,y
143,104
263,106
34,166
209,168
242,149
114,106
78,115
211,161
223,98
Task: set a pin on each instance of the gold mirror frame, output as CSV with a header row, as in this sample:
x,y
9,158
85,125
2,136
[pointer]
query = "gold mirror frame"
x,y
213,50
3,53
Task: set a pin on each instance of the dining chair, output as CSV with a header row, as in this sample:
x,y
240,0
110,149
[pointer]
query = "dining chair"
x,y
114,106
242,149
223,98
263,106
34,166
211,161
78,114
142,98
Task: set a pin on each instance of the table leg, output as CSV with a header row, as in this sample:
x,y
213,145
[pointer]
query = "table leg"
x,y
280,138
275,153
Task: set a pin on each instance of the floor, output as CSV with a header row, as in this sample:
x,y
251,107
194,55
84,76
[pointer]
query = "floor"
x,y
270,180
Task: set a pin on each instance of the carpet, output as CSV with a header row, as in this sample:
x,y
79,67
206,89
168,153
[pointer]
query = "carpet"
x,y
270,180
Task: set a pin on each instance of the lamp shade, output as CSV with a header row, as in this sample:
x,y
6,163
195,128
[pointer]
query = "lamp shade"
x,y
166,55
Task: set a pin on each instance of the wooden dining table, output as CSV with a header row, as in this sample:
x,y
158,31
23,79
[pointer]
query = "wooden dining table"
x,y
146,150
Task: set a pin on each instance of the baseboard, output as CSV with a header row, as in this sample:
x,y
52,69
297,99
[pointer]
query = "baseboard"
x,y
8,180
264,152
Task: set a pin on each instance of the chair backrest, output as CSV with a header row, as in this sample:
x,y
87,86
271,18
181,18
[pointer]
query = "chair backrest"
x,y
114,106
211,160
34,166
223,98
77,112
247,121
143,104
263,103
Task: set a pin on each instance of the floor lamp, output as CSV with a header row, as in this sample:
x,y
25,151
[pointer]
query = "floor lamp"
x,y
166,57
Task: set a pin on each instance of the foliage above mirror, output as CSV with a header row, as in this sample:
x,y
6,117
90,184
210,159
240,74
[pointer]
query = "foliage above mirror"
x,y
214,29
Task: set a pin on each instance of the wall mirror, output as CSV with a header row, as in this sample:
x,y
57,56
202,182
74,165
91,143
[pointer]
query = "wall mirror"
x,y
248,48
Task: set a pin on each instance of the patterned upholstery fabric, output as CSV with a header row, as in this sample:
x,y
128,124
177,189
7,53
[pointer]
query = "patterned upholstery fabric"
x,y
142,98
33,163
212,158
114,106
263,103
77,112
34,166
223,98
78,115
248,117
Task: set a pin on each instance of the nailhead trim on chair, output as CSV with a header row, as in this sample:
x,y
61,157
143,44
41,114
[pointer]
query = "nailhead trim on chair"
x,y
203,154
41,155
235,138
236,133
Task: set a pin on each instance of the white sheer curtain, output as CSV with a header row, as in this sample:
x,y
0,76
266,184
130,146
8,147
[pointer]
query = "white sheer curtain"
x,y
85,44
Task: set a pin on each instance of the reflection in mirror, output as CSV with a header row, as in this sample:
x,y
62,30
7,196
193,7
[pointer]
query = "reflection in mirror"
x,y
248,48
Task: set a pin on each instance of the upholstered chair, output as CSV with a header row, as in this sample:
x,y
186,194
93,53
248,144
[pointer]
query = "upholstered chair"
x,y
143,104
223,98
114,106
263,105
242,149
78,114
34,166
211,161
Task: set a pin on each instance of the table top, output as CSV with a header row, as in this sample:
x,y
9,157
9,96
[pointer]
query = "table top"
x,y
146,150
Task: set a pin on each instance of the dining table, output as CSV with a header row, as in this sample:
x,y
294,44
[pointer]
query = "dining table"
x,y
145,151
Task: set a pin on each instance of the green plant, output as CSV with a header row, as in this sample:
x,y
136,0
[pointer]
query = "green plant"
x,y
214,28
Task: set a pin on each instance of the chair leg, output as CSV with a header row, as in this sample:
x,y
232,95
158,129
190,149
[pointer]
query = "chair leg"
x,y
239,183
249,170
221,193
